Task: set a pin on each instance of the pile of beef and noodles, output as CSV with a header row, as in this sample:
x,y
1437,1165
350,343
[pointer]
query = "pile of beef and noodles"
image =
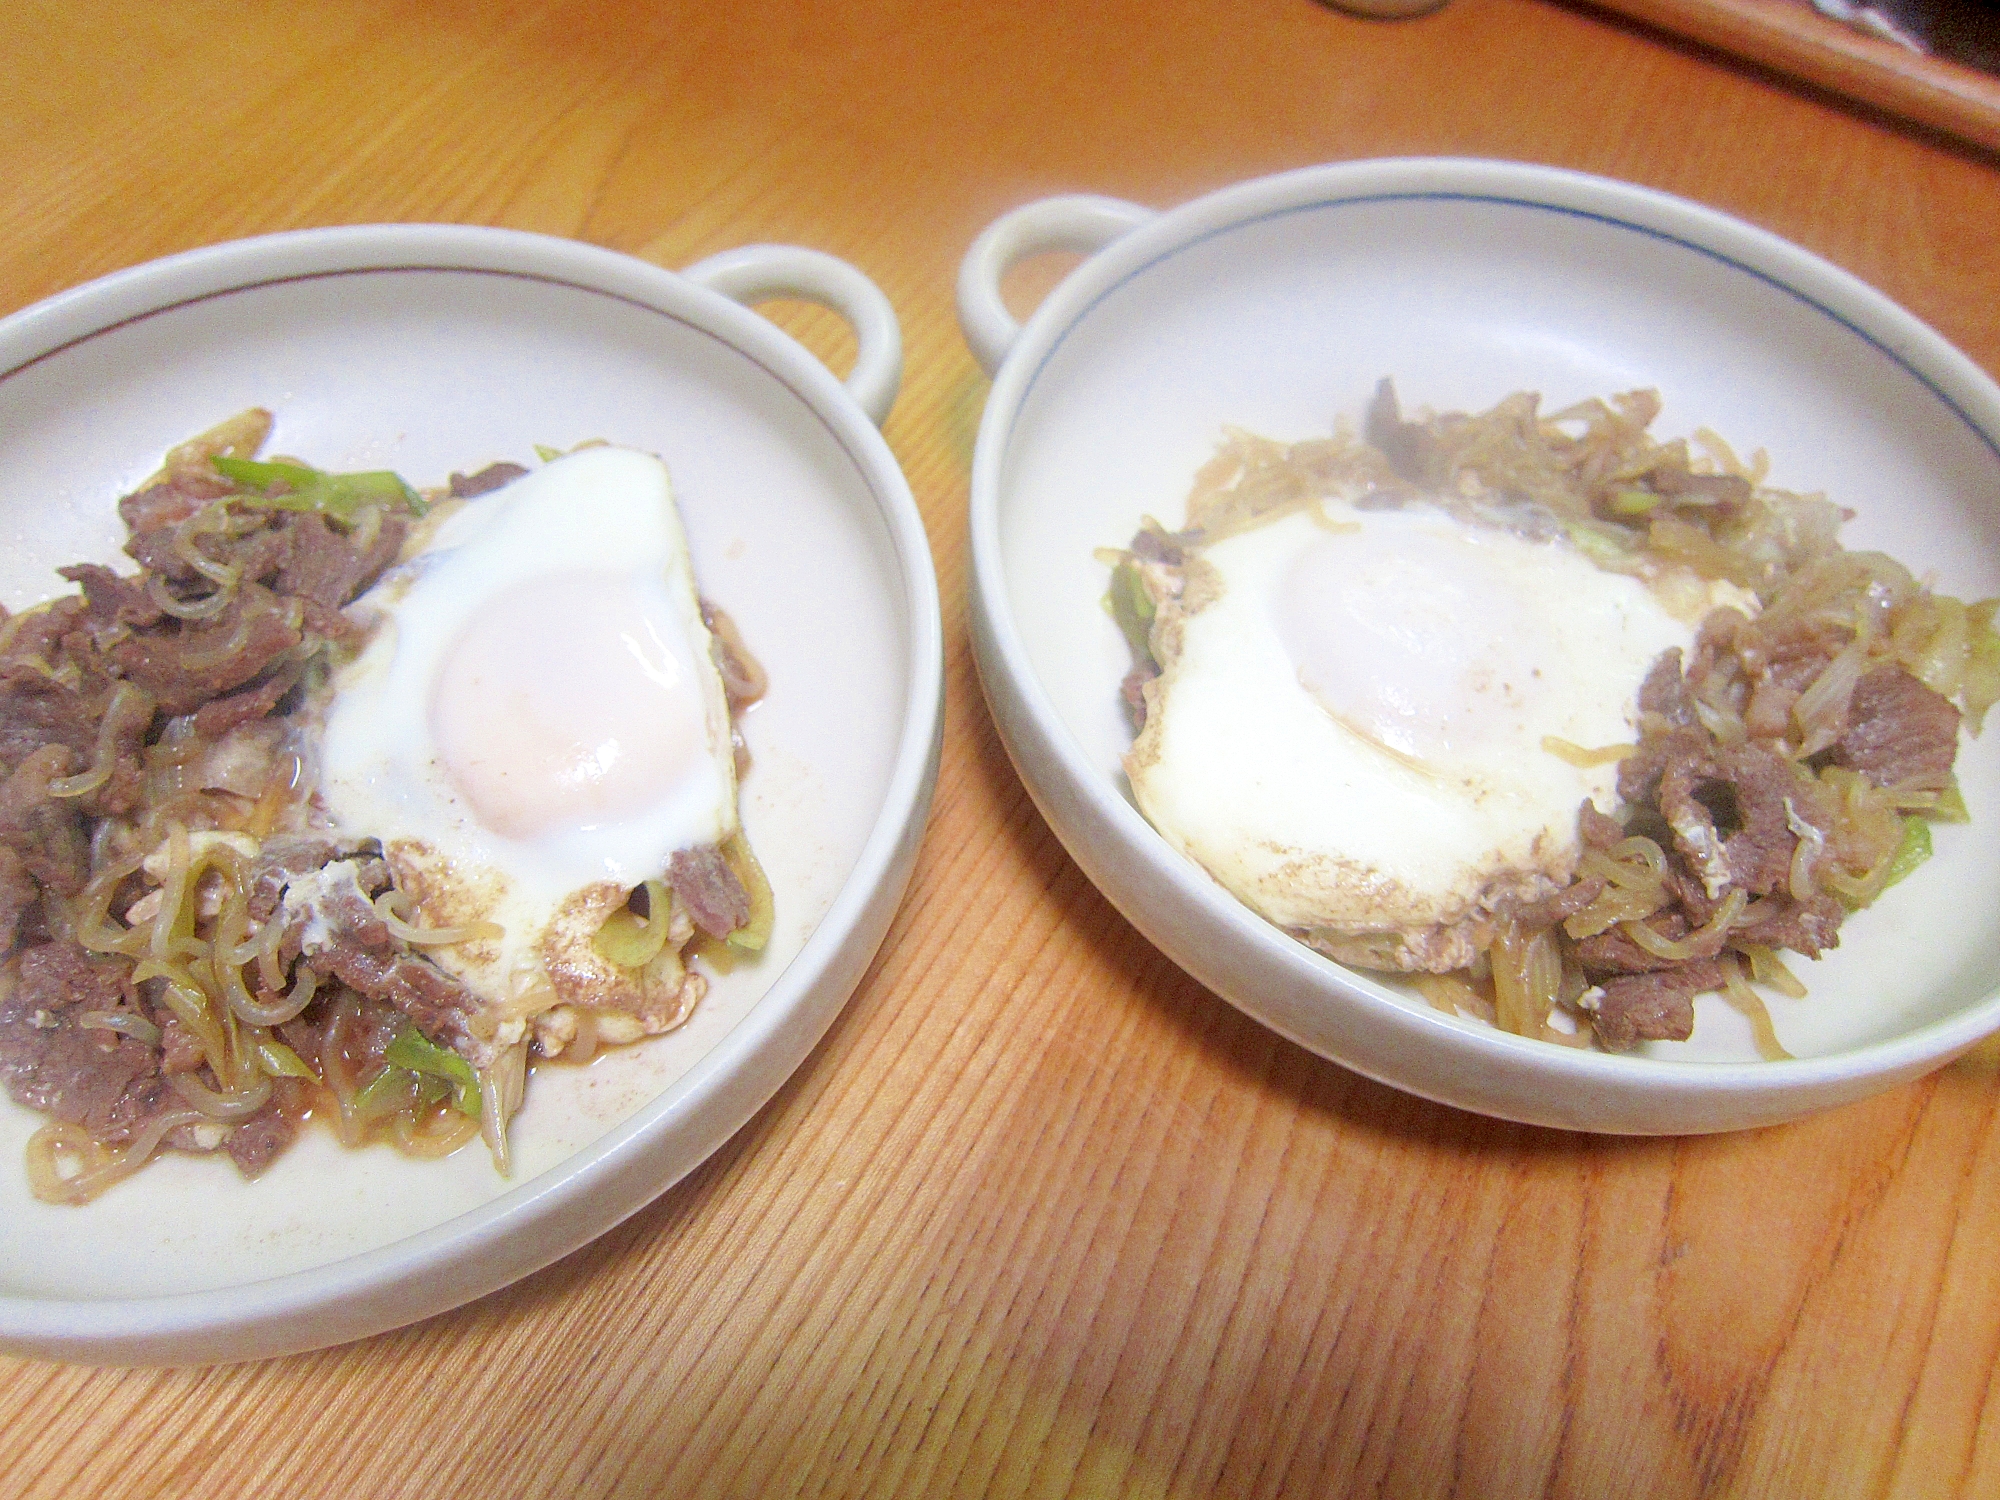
x,y
192,964
1786,771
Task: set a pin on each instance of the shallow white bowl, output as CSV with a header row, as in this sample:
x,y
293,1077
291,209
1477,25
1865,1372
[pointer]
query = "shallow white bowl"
x,y
427,349
1276,305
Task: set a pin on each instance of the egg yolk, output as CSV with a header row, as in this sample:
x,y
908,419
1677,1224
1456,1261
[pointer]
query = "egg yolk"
x,y
1416,640
563,703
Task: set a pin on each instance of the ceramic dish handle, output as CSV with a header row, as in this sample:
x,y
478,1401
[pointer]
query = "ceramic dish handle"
x,y
759,273
1075,222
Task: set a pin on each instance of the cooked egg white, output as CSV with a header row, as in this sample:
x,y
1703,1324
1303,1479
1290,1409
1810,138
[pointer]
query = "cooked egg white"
x,y
1349,730
537,723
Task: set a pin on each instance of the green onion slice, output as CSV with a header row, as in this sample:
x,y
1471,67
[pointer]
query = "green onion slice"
x,y
1913,851
417,1053
630,940
281,1061
755,933
292,486
1951,806
1132,607
385,1093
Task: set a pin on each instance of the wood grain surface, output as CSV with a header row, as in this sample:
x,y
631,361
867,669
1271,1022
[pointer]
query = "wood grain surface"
x,y
1041,1216
1790,37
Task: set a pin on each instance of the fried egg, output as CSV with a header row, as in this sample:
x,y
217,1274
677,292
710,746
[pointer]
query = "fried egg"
x,y
1353,726
537,723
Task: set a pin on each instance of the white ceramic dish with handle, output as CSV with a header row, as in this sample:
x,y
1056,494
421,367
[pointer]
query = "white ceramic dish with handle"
x,y
426,349
1276,305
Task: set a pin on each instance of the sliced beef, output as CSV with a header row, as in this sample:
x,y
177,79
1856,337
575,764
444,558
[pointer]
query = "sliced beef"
x,y
1716,641
261,556
1771,798
1665,691
1768,713
1133,691
1152,545
1680,821
113,719
262,1138
18,892
1598,830
37,709
296,555
161,507
709,889
38,634
1411,449
58,976
155,517
1559,906
1808,927
438,1004
180,1049
1612,952
154,551
1899,732
331,906
1639,773
1794,652
279,858
1732,810
1733,818
371,1026
98,1079
1652,1007
114,599
185,668
488,479
333,928
162,551
47,833
285,856
1726,492
1780,666
219,716
328,567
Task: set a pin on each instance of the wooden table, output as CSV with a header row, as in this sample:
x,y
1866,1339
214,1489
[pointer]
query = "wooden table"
x,y
1041,1216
